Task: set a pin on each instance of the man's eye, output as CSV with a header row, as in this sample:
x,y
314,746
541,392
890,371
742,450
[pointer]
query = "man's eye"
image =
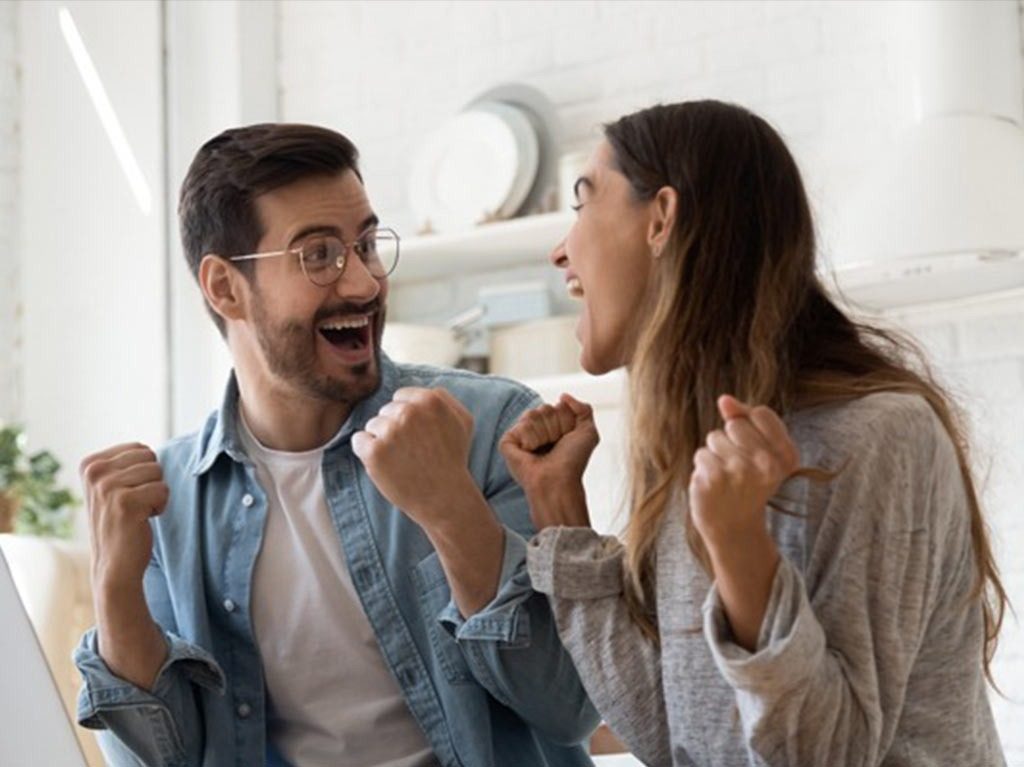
x,y
316,254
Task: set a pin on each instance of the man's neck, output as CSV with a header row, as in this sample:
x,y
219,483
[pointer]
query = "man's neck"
x,y
287,420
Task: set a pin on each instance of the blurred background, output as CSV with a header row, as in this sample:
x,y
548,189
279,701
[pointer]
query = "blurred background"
x,y
472,118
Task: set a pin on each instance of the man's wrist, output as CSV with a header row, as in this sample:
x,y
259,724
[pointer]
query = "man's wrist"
x,y
467,525
459,507
128,639
472,554
116,595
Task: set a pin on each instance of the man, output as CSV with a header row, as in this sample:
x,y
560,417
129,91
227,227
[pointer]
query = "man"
x,y
331,572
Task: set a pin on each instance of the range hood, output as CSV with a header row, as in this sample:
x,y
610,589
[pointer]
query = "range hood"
x,y
940,214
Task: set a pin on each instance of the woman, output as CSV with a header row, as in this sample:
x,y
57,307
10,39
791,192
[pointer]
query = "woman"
x,y
757,613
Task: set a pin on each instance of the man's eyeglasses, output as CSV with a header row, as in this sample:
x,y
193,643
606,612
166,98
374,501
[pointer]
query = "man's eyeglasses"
x,y
323,257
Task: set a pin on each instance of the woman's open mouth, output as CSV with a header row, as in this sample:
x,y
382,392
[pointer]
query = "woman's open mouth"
x,y
574,288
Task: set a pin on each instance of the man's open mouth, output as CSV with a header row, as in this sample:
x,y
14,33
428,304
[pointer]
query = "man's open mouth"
x,y
350,333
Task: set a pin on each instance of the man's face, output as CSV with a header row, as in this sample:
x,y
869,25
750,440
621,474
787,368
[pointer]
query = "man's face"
x,y
322,342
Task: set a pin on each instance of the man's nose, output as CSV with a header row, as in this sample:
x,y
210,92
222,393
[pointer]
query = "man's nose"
x,y
357,282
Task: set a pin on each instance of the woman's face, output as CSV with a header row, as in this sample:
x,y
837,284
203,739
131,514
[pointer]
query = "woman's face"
x,y
607,262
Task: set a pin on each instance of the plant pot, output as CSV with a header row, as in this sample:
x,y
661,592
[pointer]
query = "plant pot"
x,y
8,512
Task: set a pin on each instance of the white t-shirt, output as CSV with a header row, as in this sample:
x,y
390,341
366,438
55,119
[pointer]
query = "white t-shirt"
x,y
332,700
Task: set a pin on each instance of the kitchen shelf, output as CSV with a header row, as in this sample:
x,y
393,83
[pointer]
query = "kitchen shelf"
x,y
893,285
517,242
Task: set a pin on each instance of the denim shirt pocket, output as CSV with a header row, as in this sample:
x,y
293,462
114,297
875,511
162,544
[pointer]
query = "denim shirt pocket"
x,y
433,596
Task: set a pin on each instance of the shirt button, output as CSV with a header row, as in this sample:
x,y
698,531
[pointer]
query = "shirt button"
x,y
244,710
247,500
229,605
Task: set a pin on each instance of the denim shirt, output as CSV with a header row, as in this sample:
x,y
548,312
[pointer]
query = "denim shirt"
x,y
495,690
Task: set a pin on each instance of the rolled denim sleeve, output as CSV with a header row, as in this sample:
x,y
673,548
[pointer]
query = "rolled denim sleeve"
x,y
159,727
504,619
512,648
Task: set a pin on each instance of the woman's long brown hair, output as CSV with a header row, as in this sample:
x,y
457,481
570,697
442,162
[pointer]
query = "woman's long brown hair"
x,y
735,306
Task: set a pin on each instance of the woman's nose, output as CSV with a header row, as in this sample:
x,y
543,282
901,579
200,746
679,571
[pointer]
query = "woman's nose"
x,y
558,256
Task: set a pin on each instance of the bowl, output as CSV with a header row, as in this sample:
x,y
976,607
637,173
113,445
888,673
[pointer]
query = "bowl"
x,y
421,344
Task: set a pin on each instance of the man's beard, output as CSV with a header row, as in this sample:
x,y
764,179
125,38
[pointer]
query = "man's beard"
x,y
290,351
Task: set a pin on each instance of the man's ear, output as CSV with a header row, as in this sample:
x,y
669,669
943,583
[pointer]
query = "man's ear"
x,y
664,209
222,287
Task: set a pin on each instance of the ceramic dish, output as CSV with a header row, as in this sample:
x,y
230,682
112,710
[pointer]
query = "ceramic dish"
x,y
479,166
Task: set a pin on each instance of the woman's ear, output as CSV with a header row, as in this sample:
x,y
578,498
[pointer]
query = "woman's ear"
x,y
664,209
222,287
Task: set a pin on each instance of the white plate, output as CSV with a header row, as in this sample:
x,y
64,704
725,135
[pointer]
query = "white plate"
x,y
543,118
529,154
473,168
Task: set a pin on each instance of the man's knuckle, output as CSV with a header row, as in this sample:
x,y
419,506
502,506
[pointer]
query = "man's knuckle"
x,y
116,500
93,471
106,486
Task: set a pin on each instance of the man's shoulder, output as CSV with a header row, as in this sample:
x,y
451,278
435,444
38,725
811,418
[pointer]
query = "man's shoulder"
x,y
178,455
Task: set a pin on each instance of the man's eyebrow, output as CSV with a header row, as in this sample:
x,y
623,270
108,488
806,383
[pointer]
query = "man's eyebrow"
x,y
580,182
369,222
306,231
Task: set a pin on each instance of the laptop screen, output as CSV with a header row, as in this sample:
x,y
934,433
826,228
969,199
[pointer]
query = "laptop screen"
x,y
36,729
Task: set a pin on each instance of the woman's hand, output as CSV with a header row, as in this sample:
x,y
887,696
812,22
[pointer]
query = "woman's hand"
x,y
740,467
547,451
736,472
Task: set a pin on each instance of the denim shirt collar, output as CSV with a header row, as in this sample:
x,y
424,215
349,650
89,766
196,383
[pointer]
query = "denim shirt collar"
x,y
223,436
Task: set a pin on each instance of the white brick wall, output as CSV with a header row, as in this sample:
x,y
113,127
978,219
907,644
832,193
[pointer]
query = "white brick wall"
x,y
978,348
823,73
818,70
9,304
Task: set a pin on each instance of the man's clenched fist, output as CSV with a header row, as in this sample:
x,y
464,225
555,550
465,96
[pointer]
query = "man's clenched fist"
x,y
124,487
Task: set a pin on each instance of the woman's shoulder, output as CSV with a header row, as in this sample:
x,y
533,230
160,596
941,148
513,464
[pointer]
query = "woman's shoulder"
x,y
893,460
885,422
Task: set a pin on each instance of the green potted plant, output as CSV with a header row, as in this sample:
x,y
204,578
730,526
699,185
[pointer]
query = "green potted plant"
x,y
31,501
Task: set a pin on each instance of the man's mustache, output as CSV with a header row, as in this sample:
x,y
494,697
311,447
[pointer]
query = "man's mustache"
x,y
346,308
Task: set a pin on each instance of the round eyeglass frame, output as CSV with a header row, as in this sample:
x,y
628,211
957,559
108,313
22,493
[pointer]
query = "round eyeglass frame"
x,y
343,258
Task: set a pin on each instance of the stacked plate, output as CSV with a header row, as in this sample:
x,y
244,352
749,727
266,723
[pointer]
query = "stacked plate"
x,y
478,167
